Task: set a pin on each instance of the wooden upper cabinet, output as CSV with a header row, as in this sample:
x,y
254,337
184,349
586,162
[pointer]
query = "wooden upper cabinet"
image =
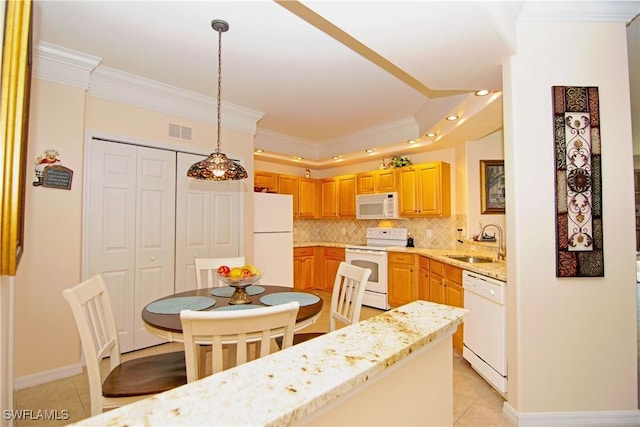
x,y
289,185
366,183
386,181
425,190
329,197
347,196
308,198
268,180
380,181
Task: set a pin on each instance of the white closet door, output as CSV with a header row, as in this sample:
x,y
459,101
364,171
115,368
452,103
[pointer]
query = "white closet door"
x,y
207,221
131,231
155,233
110,219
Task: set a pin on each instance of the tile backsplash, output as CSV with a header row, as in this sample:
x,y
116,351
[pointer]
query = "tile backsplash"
x,y
444,234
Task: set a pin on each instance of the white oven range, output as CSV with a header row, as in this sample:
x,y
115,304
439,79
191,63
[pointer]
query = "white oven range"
x,y
373,255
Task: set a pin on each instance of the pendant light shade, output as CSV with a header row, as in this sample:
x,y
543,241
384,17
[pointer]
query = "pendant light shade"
x,y
217,167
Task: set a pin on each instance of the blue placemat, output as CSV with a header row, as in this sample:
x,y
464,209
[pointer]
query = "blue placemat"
x,y
238,307
175,305
227,291
284,297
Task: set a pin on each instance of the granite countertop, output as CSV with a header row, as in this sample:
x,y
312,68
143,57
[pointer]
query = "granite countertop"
x,y
496,269
287,386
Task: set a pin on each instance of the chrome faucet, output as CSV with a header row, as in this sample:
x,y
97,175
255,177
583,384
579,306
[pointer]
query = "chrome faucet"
x,y
502,255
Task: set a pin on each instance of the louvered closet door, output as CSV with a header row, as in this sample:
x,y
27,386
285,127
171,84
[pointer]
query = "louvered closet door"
x,y
131,230
207,221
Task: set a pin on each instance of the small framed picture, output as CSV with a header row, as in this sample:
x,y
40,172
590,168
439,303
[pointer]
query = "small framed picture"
x,y
492,189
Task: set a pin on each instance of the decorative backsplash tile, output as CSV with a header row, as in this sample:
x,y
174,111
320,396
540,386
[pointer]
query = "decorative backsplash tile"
x,y
443,230
444,234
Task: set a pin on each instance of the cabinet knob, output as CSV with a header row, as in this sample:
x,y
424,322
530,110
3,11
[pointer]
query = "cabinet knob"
x,y
152,258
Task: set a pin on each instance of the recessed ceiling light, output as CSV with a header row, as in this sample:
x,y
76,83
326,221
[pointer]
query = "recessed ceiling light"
x,y
335,157
299,158
259,150
452,117
369,150
411,141
482,92
431,134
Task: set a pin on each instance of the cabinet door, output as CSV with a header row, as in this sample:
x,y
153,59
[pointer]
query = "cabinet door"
x,y
268,180
365,183
347,196
423,279
408,192
289,185
436,288
307,273
307,198
332,257
386,181
434,189
329,198
402,281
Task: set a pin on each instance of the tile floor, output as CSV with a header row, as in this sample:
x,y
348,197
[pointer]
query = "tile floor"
x,y
475,403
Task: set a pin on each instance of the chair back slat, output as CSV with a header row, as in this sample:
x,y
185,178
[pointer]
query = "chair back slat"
x,y
348,293
208,267
243,327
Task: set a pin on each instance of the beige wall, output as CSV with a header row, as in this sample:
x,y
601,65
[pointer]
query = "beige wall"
x,y
51,261
572,341
53,231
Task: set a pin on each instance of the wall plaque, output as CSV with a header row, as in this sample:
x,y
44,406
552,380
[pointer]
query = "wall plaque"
x,y
57,177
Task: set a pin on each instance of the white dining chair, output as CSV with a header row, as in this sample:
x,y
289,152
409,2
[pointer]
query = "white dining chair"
x,y
255,327
127,381
346,300
209,266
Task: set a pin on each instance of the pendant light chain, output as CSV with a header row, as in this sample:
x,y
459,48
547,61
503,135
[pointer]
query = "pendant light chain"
x,y
219,83
218,167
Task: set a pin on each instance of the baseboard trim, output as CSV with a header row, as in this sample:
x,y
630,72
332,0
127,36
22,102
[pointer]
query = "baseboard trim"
x,y
599,418
31,380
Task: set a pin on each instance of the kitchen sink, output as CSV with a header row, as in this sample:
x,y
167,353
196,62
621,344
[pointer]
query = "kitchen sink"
x,y
470,259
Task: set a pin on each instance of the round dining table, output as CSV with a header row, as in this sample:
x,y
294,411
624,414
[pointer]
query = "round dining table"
x,y
169,327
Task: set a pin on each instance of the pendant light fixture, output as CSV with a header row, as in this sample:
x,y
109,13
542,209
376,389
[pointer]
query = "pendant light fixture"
x,y
217,167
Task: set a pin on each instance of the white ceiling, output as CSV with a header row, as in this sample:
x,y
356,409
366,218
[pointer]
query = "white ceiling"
x,y
322,73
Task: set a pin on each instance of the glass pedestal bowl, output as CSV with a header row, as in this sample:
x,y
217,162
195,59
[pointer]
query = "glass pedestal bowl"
x,y
240,295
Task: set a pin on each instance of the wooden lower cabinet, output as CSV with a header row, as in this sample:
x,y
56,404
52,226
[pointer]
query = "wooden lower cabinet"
x,y
423,278
328,265
445,287
402,278
304,268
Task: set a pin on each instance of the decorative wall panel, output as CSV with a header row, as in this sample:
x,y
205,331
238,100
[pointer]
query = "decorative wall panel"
x,y
578,186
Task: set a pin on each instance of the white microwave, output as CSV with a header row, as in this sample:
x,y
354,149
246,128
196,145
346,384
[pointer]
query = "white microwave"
x,y
377,206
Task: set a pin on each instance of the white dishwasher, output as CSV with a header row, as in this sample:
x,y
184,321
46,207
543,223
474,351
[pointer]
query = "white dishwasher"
x,y
485,329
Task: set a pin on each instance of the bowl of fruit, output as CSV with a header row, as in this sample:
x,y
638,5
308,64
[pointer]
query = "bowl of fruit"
x,y
239,278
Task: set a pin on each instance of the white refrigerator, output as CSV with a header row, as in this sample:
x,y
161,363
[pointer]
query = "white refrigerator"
x,y
273,238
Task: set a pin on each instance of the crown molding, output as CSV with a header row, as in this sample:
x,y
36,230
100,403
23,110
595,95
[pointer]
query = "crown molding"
x,y
64,66
577,11
60,65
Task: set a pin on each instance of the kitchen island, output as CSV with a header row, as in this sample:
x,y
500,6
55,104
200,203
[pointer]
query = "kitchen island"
x,y
393,369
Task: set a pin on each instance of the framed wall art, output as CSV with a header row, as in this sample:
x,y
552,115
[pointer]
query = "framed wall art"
x,y
578,181
492,200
